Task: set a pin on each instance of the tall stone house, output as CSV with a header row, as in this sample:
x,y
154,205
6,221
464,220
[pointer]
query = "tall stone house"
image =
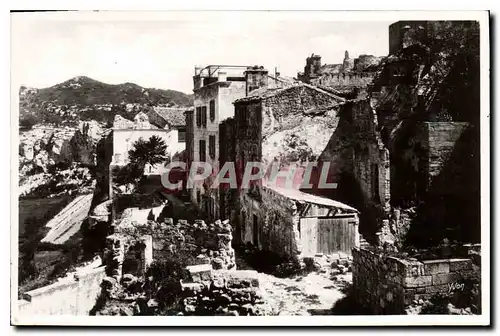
x,y
216,87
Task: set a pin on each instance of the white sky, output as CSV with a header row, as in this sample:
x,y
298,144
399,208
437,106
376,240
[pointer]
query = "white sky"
x,y
161,51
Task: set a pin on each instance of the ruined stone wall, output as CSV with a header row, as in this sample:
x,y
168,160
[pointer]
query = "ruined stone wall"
x,y
270,222
208,243
75,296
287,108
359,164
389,285
247,134
356,147
345,80
222,293
442,139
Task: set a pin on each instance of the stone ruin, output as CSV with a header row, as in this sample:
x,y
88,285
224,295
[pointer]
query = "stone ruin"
x,y
207,243
222,293
384,283
213,287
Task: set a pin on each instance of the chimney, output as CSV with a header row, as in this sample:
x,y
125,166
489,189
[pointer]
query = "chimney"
x,y
256,78
221,76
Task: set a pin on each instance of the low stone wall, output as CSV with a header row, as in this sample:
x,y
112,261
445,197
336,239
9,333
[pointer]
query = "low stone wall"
x,y
75,296
207,243
388,285
223,293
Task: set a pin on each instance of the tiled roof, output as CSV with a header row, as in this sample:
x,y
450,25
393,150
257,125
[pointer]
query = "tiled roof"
x,y
301,196
265,93
172,116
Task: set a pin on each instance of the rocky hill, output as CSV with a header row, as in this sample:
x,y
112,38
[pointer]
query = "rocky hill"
x,y
83,98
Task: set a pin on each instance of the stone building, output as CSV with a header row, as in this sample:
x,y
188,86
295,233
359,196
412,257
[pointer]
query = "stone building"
x,y
291,125
127,132
171,118
216,87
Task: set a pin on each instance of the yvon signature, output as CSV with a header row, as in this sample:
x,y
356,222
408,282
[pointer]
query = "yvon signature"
x,y
455,286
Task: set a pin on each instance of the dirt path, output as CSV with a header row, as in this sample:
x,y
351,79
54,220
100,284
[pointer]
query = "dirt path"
x,y
313,294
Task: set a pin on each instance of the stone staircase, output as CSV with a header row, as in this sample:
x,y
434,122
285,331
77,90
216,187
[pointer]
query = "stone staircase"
x,y
68,221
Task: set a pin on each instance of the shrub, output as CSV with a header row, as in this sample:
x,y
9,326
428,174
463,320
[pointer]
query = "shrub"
x,y
28,121
163,282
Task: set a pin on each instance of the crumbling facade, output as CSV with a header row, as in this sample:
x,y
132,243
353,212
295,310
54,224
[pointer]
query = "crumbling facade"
x,y
385,284
397,152
270,217
137,241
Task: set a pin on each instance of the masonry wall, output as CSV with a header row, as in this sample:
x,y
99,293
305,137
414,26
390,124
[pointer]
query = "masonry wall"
x,y
76,296
208,243
442,138
359,164
345,79
389,285
270,222
278,111
222,293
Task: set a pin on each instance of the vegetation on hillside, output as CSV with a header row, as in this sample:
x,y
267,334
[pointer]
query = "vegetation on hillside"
x,y
83,98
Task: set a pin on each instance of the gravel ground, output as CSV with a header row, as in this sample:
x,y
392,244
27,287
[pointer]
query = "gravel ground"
x,y
312,294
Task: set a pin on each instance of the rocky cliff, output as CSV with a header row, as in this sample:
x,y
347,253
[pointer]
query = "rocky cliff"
x,y
47,153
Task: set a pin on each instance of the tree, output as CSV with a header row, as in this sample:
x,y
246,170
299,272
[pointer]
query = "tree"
x,y
152,151
28,121
28,245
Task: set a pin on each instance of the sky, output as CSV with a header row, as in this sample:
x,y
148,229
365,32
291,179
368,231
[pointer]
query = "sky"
x,y
161,51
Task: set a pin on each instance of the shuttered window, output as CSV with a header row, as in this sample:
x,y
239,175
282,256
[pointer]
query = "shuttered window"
x,y
203,150
204,116
211,146
198,116
212,110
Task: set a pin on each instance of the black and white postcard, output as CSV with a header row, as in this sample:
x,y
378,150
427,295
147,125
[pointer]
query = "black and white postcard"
x,y
250,168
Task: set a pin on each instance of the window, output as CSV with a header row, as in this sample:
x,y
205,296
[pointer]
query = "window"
x,y
211,146
212,110
204,116
198,116
181,135
203,151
